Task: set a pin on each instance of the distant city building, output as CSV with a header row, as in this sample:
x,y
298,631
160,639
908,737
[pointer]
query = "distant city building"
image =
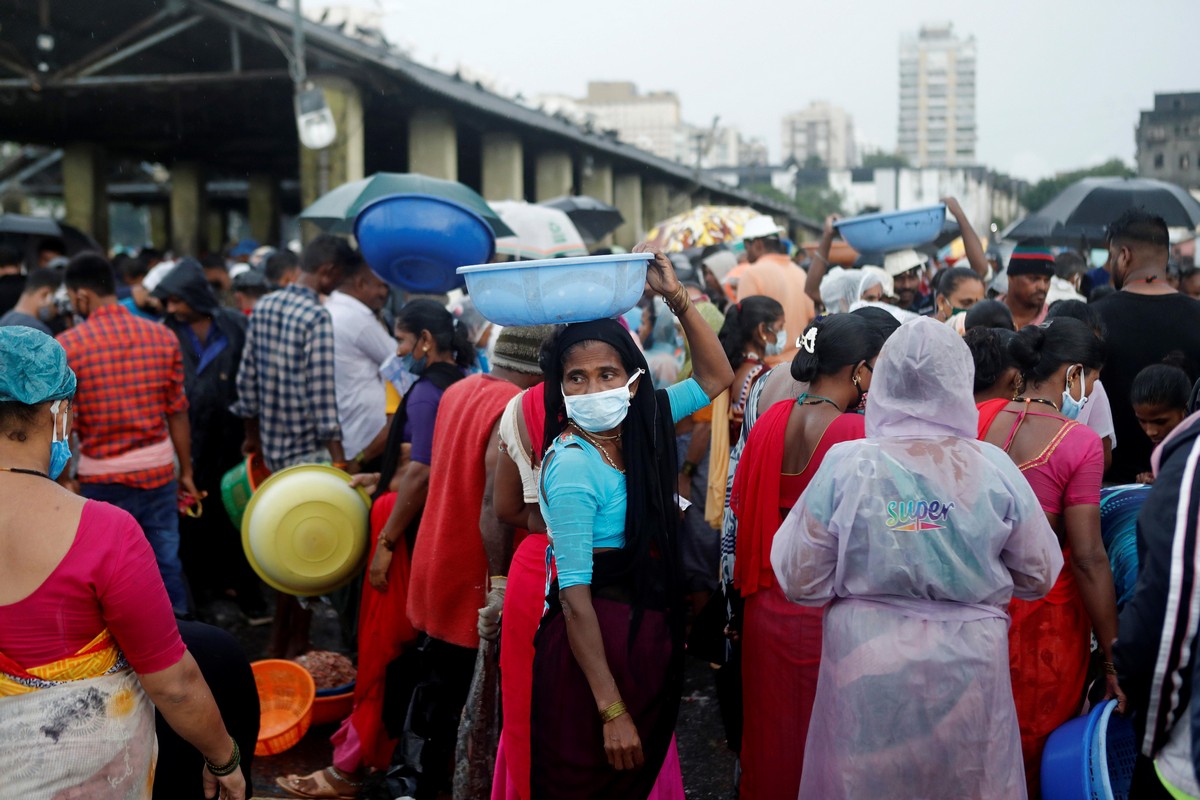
x,y
821,130
651,121
937,98
1168,139
718,147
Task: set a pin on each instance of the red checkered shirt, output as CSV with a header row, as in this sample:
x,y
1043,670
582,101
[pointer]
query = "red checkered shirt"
x,y
130,374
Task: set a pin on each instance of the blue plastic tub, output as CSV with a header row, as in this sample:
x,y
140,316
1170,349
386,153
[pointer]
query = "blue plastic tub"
x,y
893,230
557,290
417,241
1090,757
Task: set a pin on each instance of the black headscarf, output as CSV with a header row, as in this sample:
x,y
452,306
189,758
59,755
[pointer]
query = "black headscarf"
x,y
648,562
187,282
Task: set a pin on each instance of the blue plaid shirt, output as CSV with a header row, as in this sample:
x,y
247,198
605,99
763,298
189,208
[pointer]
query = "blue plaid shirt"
x,y
286,376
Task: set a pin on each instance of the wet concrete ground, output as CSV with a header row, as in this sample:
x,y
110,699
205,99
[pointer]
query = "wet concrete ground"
x,y
707,763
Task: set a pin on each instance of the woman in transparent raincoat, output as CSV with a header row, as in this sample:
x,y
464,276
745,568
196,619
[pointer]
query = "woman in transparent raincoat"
x,y
920,536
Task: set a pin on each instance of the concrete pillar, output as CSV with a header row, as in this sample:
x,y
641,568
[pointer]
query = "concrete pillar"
x,y
555,175
655,204
503,167
263,201
341,162
627,196
597,182
189,222
433,144
679,201
159,215
84,189
218,231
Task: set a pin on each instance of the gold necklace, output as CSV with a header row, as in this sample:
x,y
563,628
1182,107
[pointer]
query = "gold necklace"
x,y
591,435
600,447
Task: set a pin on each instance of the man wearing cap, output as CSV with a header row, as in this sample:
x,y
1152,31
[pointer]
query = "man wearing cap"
x,y
211,339
130,413
1030,268
905,267
459,544
773,274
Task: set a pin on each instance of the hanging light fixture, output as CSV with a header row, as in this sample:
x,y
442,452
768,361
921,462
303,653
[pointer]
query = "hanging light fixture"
x,y
314,120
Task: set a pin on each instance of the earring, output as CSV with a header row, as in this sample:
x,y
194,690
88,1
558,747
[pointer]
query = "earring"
x,y
857,385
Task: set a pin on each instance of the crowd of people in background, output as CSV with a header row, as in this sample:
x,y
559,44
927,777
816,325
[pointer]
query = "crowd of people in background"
x,y
868,497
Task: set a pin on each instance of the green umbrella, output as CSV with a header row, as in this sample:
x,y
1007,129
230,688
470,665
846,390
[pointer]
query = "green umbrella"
x,y
336,211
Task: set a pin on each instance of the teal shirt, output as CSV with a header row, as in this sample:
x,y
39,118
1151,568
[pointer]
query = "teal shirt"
x,y
582,496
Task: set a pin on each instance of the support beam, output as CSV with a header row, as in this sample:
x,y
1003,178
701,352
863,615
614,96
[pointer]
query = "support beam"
x,y
84,190
262,197
627,196
555,175
503,167
342,161
218,230
189,222
679,201
433,144
160,226
656,203
597,182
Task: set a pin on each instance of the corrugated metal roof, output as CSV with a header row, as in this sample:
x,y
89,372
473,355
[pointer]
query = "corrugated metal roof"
x,y
459,91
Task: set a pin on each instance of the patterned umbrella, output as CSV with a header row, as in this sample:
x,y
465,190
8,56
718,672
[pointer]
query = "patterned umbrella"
x,y
700,227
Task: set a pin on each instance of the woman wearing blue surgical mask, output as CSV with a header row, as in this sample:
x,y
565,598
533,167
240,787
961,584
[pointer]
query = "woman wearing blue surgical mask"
x,y
608,666
1063,460
753,332
89,644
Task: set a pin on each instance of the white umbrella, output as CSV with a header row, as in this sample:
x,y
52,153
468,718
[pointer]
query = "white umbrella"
x,y
541,232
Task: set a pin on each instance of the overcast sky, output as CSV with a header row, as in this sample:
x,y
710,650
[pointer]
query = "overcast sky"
x,y
1059,82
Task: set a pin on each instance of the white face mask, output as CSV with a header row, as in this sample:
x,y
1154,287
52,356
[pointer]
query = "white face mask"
x,y
600,411
776,347
1071,408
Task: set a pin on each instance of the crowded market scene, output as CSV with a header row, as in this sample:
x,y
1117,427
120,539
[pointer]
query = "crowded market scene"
x,y
532,459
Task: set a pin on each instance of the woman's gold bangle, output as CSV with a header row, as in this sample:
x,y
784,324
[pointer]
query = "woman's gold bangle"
x,y
679,301
1110,668
617,709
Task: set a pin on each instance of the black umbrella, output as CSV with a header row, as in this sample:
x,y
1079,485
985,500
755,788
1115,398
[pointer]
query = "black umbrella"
x,y
593,219
29,226
1081,213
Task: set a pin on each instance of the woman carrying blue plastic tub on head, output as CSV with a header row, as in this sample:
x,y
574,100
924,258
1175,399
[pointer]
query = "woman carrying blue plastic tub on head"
x,y
608,663
917,537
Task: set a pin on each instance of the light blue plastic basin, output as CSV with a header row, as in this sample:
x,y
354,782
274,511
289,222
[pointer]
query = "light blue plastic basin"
x,y
557,290
893,230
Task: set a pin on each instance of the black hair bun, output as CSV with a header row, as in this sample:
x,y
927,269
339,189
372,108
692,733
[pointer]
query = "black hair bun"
x,y
1027,346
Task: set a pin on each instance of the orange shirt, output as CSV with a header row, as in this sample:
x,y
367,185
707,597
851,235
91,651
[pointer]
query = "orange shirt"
x,y
778,277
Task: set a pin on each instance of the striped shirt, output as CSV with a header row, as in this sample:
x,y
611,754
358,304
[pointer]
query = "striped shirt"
x,y
286,378
130,374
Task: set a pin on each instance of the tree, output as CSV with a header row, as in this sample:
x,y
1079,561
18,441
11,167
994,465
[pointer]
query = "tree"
x,y
883,160
814,161
1046,189
815,201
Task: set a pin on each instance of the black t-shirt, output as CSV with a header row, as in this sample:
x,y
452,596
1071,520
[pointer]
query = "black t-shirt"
x,y
11,287
1141,330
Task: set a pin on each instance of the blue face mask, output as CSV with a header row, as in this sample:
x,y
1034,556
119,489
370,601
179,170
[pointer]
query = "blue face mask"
x,y
60,448
414,365
1071,408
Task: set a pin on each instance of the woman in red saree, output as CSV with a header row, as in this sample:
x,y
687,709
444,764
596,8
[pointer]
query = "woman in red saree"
x,y
1049,639
781,641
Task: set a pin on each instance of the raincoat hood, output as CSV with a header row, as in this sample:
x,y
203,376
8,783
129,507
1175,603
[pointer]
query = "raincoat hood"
x,y
922,384
842,288
187,282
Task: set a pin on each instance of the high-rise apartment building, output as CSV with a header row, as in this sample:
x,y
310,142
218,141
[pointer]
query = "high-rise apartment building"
x,y
937,98
821,130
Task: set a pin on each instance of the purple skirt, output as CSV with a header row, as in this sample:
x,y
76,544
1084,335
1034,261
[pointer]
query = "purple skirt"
x,y
567,736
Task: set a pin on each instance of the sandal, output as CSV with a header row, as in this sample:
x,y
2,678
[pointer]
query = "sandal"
x,y
324,790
